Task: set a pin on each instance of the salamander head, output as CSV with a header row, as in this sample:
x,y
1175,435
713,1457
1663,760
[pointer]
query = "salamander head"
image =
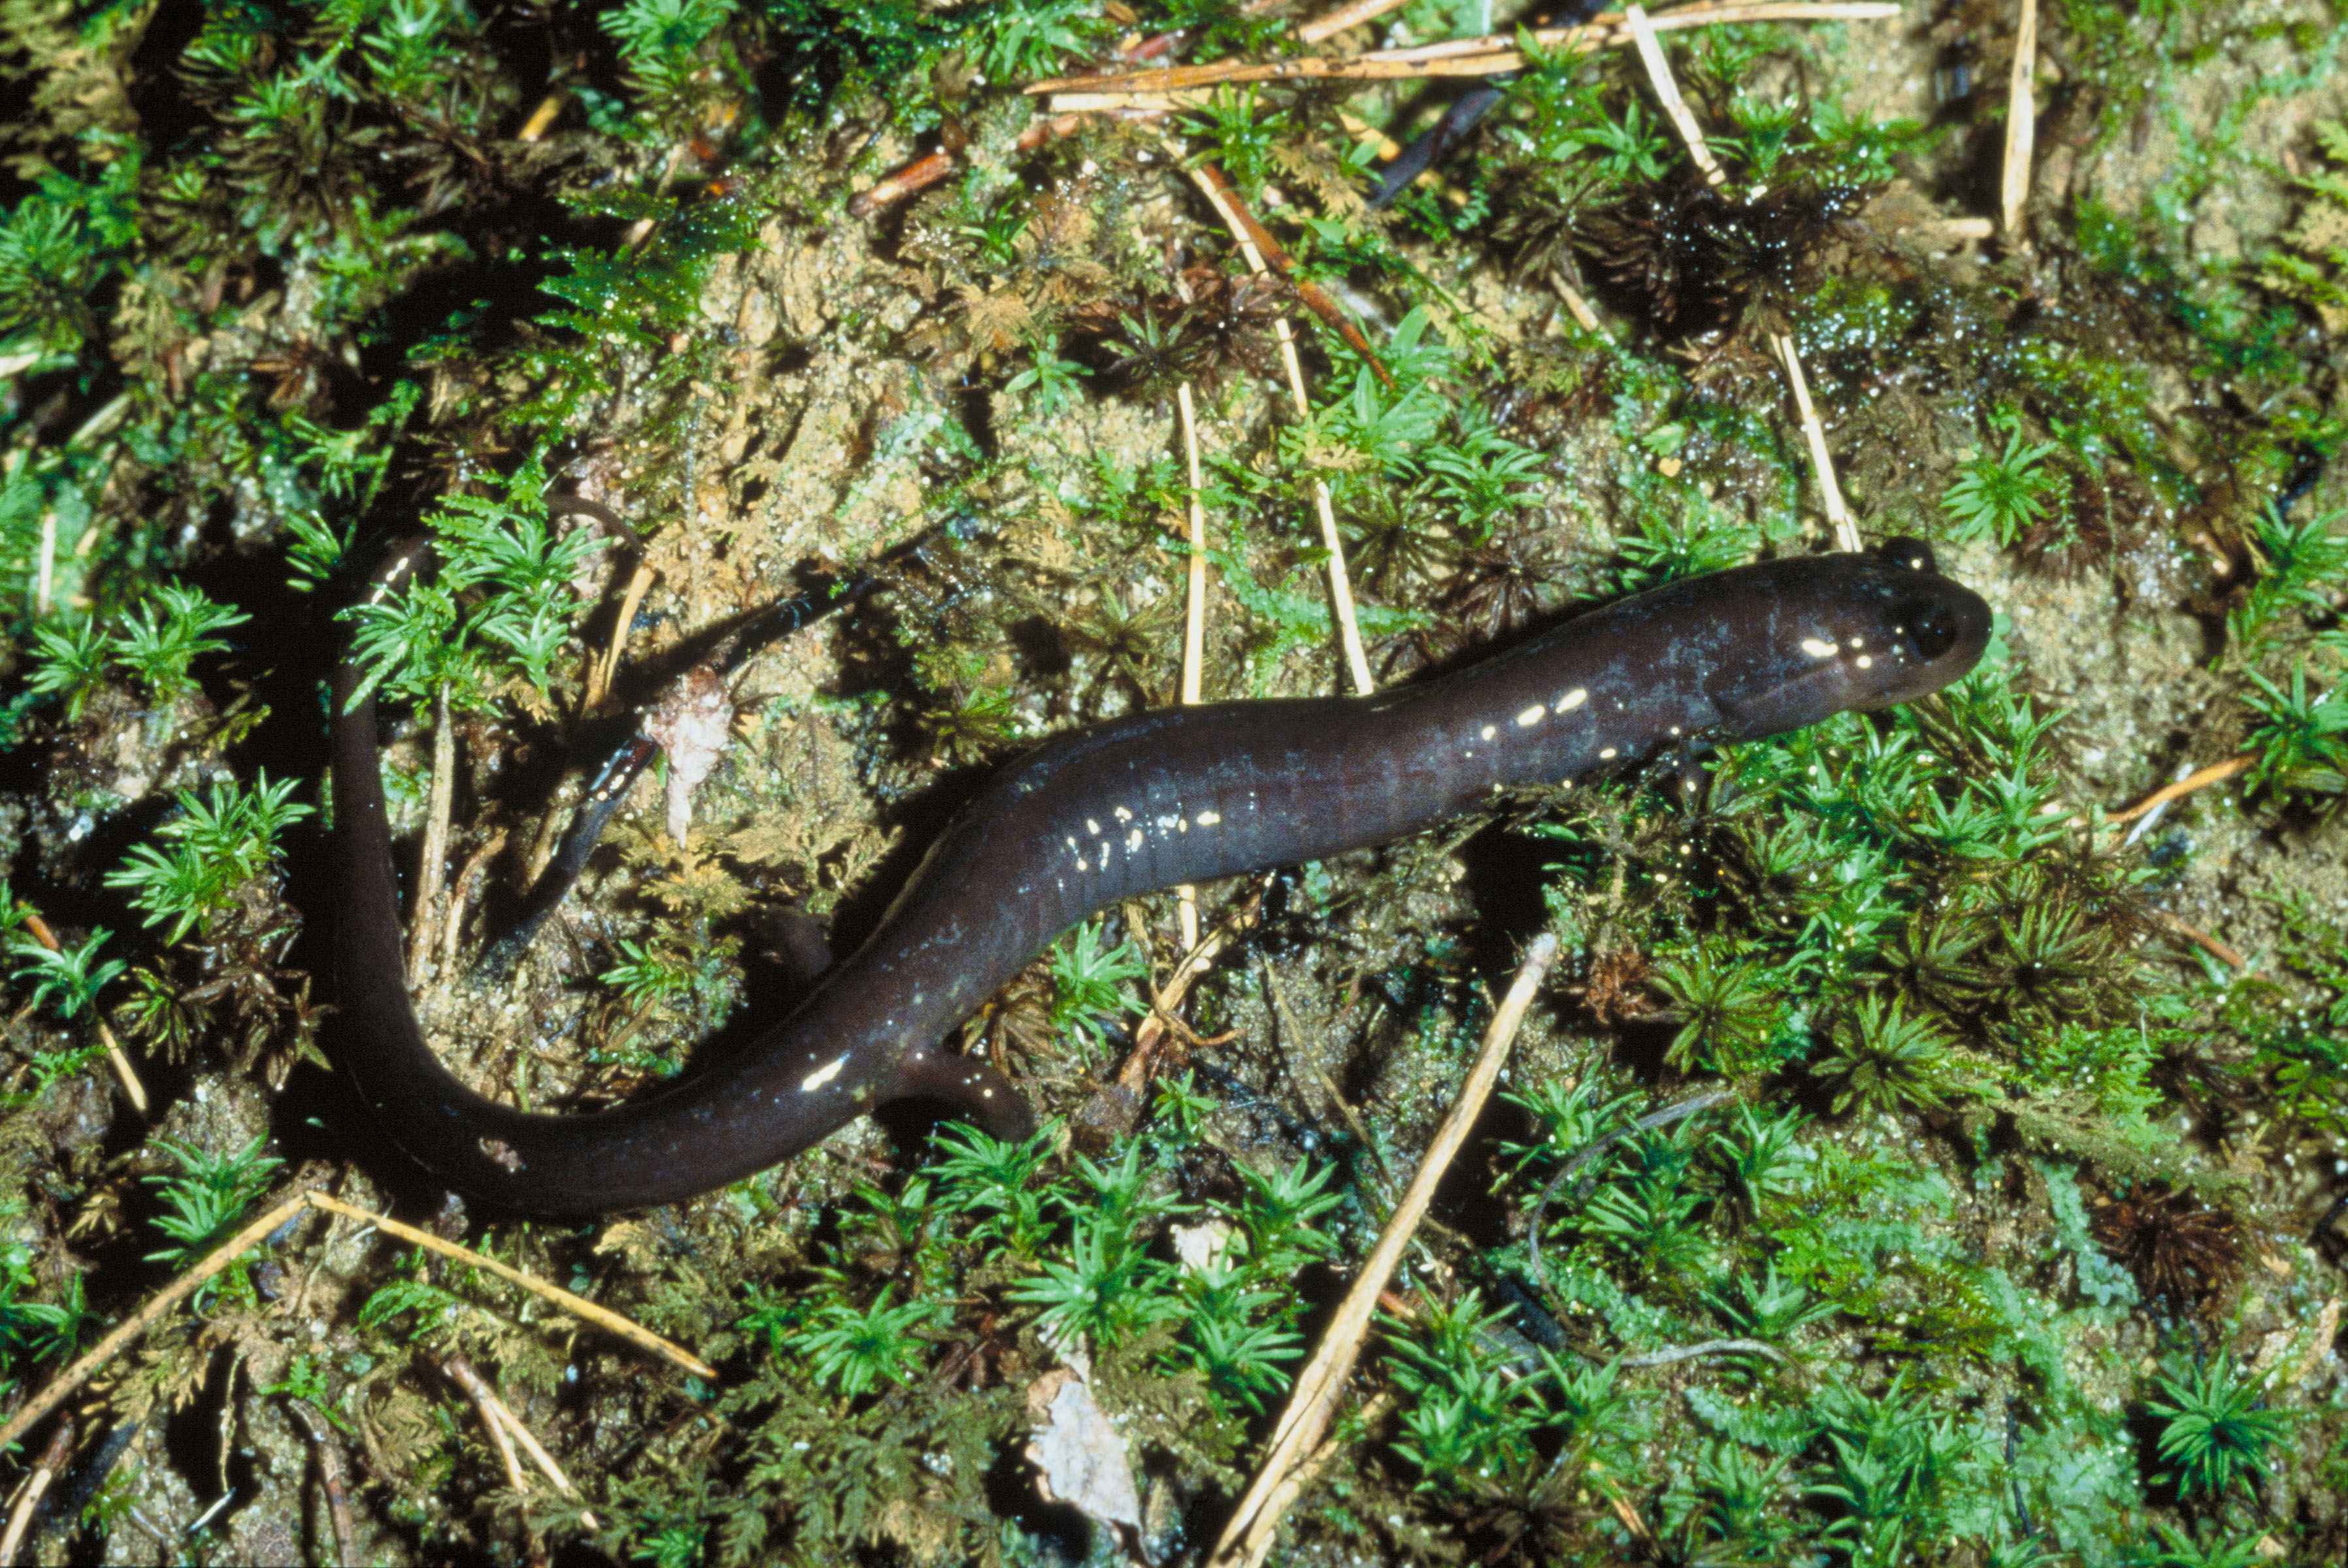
x,y
1865,632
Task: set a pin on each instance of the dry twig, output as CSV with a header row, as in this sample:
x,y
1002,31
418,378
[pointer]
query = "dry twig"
x,y
439,803
1667,92
487,1406
1142,1059
2231,956
330,1481
1194,621
130,1329
577,1305
2201,778
1494,55
453,934
36,1485
1340,584
509,1429
2021,121
116,1057
1249,1537
605,670
1353,13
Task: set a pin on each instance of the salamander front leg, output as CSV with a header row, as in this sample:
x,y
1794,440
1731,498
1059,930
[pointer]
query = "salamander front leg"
x,y
972,1091
1689,781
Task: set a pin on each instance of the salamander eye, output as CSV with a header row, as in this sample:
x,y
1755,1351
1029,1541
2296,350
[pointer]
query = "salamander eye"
x,y
1929,629
1905,552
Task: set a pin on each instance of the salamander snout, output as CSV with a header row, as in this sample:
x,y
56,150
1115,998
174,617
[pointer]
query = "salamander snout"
x,y
1936,629
1857,630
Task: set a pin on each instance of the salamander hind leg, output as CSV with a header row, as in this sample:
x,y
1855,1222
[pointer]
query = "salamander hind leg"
x,y
968,1088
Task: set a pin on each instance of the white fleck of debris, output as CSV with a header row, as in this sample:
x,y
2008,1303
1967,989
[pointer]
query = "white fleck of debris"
x,y
1078,1453
1202,1248
692,724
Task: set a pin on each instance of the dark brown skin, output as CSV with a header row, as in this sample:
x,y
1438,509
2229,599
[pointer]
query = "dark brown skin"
x,y
1118,809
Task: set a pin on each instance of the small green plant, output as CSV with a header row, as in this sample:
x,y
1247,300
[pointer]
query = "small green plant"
x,y
68,978
1052,381
1277,1215
1884,1060
1088,985
204,1202
2311,264
2213,1548
1028,38
2002,497
1760,1157
1771,1307
2300,743
68,663
2218,1431
1649,1214
39,1330
661,40
1243,136
306,1380
1237,1335
501,603
1889,1468
850,1349
1728,1007
168,633
1682,535
2305,565
1467,1416
1110,1286
411,1293
980,1174
1730,1500
215,845
648,978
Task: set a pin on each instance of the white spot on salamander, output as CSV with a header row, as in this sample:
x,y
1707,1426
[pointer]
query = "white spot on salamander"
x,y
1865,661
1818,647
1092,827
1210,818
1531,716
1489,731
822,1075
1607,756
1573,698
1122,814
1133,841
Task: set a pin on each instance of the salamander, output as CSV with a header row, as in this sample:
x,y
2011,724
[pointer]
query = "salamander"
x,y
1115,809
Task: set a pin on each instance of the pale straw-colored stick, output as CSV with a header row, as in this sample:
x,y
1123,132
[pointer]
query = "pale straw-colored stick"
x,y
35,1486
1838,517
1814,436
1340,582
577,1305
438,805
1667,92
1352,15
129,1330
1486,57
490,1408
1249,1536
1194,622
2021,120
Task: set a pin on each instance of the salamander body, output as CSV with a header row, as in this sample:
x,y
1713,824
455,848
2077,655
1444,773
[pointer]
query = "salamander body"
x,y
1116,809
